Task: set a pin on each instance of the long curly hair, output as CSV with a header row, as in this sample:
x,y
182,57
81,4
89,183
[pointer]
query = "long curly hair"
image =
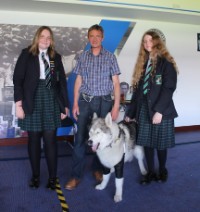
x,y
158,50
34,46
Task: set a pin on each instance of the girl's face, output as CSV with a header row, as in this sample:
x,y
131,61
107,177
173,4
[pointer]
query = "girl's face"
x,y
148,43
44,40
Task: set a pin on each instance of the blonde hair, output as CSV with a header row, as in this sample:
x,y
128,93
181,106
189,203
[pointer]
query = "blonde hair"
x,y
158,50
34,46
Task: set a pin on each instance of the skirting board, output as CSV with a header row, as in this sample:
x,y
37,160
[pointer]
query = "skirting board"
x,y
24,140
70,138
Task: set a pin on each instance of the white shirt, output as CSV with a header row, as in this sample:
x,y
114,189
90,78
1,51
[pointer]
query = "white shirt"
x,y
42,70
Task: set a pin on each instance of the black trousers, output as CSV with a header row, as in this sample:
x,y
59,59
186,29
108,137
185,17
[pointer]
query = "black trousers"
x,y
50,149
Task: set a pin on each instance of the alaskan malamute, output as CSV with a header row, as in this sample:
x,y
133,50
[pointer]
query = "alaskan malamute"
x,y
114,144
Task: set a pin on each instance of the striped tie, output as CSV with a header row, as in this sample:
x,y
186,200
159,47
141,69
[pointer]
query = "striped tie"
x,y
146,78
47,72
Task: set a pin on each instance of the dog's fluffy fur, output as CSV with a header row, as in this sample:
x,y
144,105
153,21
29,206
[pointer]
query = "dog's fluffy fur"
x,y
110,141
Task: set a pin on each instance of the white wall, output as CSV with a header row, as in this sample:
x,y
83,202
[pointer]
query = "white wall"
x,y
181,42
31,18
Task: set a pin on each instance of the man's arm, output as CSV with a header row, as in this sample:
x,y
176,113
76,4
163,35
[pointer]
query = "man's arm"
x,y
77,86
115,109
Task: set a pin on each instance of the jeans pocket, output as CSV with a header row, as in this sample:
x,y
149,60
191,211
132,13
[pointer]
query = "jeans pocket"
x,y
107,98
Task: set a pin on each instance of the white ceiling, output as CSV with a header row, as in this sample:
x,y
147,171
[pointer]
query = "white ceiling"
x,y
105,10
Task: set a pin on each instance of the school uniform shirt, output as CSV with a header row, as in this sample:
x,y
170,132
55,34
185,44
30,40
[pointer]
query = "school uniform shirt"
x,y
41,62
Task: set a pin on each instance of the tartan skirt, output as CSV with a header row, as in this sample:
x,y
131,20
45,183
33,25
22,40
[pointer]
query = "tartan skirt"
x,y
159,136
46,112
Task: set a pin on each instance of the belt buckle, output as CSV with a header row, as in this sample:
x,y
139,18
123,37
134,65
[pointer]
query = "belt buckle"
x,y
88,98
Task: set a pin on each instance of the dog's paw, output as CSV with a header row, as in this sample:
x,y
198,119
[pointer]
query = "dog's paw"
x,y
117,198
99,187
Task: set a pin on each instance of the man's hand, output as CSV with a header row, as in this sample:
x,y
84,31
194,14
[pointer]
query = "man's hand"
x,y
115,113
75,112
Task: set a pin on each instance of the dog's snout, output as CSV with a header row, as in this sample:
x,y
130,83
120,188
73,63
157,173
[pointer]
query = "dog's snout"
x,y
90,142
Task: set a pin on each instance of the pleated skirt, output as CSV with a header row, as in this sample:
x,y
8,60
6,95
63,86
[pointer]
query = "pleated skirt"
x,y
159,136
46,112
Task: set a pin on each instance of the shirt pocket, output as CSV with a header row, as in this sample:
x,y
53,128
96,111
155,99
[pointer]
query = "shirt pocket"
x,y
105,69
85,69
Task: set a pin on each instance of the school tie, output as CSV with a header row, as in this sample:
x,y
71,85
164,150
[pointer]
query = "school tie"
x,y
47,72
146,78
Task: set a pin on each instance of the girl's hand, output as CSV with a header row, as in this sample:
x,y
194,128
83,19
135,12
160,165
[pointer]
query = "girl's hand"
x,y
127,119
62,115
19,112
157,118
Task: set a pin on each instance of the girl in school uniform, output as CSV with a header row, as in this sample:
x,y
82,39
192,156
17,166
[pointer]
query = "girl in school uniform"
x,y
152,106
41,101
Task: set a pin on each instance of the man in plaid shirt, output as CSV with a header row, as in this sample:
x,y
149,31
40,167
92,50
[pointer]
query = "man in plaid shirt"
x,y
97,79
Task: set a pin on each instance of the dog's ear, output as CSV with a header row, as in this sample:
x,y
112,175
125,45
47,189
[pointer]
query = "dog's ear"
x,y
108,120
94,116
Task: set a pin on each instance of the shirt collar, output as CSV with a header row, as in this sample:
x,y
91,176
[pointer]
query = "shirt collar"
x,y
101,51
41,50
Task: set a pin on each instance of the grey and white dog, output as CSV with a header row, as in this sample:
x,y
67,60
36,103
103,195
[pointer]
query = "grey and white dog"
x,y
115,144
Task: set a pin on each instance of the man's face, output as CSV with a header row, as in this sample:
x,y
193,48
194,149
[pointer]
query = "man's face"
x,y
95,38
124,89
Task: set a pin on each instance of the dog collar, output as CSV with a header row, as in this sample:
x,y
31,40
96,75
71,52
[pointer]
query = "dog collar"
x,y
120,133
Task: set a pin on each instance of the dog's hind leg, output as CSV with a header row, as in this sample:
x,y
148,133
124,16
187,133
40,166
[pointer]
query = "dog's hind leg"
x,y
141,165
139,154
104,182
119,189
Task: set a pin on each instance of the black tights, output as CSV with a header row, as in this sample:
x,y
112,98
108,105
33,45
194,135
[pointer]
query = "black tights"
x,y
50,149
162,158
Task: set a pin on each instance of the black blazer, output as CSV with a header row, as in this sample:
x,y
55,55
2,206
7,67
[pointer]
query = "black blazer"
x,y
160,94
26,78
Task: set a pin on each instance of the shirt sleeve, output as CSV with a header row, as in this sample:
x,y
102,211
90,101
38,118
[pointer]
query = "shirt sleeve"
x,y
77,68
114,66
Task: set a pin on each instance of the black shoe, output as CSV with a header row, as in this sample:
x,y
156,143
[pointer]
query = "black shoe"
x,y
163,176
146,179
51,183
35,182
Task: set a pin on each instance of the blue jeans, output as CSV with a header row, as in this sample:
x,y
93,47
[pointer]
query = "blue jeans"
x,y
100,105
